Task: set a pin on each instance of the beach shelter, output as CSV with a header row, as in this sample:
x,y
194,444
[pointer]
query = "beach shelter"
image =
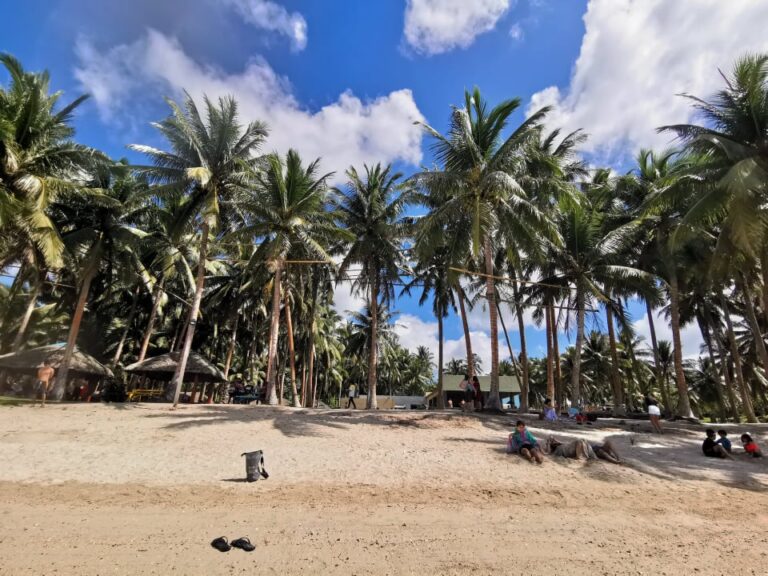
x,y
199,371
28,361
508,386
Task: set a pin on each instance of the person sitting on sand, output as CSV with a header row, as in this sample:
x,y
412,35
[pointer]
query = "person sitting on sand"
x,y
750,446
522,442
724,441
549,411
712,449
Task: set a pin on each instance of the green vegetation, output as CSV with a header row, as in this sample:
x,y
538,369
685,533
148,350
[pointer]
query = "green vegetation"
x,y
215,248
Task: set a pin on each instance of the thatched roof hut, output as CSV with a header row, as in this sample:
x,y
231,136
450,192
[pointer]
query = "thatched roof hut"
x,y
163,368
30,360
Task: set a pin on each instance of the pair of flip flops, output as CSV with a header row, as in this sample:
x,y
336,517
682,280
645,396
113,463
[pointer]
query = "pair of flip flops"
x,y
222,545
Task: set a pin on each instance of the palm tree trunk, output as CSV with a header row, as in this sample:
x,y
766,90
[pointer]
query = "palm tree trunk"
x,y
151,321
524,385
231,349
654,346
373,352
576,370
764,271
558,373
757,334
725,368
440,394
618,393
31,302
128,323
550,366
178,377
465,324
311,380
59,385
274,327
683,402
718,385
746,400
291,352
494,400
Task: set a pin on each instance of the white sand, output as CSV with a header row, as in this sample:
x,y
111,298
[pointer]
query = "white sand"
x,y
141,489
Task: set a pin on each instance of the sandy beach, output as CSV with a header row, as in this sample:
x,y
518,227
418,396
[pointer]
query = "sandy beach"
x,y
141,489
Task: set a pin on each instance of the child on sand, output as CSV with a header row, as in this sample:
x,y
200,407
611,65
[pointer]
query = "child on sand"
x,y
712,449
723,440
750,446
522,442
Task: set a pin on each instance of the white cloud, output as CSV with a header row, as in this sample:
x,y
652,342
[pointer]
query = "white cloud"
x,y
436,26
636,55
345,301
271,16
516,32
346,132
690,335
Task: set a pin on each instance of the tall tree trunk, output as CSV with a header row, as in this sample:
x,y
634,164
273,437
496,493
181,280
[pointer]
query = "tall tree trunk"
x,y
683,402
231,348
655,348
550,353
494,400
158,296
465,324
274,328
59,385
291,352
618,392
718,384
311,379
512,358
757,334
725,368
128,323
178,377
373,352
746,400
764,271
558,374
34,291
524,385
440,393
576,371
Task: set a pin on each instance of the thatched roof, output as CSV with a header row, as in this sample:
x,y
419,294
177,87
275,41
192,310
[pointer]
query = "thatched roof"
x,y
164,366
30,360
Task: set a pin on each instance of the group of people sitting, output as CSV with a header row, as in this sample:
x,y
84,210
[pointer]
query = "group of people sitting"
x,y
719,445
522,442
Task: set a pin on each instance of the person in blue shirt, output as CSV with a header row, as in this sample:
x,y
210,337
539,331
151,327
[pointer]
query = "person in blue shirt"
x,y
723,440
522,442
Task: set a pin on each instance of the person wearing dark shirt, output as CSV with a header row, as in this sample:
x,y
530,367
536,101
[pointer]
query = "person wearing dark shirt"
x,y
724,441
712,449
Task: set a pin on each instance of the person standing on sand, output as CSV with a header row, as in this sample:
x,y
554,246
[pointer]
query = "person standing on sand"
x,y
478,394
654,412
44,376
351,396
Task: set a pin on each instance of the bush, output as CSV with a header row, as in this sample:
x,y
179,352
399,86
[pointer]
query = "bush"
x,y
113,391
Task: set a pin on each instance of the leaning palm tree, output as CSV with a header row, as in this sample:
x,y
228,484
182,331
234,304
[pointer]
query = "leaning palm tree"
x,y
209,162
288,213
478,193
370,209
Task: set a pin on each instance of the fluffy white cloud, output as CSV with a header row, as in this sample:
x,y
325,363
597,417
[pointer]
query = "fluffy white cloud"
x,y
271,16
637,55
690,335
436,26
346,132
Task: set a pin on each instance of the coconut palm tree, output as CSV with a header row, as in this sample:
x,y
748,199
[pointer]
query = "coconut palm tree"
x,y
209,162
479,195
289,215
370,208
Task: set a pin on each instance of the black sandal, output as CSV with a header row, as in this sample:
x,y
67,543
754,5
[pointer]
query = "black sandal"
x,y
221,544
244,544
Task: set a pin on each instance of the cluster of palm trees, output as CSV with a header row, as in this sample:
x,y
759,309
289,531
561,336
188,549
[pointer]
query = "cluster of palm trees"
x,y
213,247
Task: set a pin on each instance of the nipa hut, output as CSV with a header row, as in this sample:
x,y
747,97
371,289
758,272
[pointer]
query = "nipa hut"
x,y
159,370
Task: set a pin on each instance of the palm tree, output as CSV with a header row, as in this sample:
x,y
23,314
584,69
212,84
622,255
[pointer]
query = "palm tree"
x,y
370,209
288,213
478,193
98,229
209,162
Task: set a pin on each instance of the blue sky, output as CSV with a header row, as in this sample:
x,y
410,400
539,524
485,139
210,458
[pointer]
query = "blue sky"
x,y
345,79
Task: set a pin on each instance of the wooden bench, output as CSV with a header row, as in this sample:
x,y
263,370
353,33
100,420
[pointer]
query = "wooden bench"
x,y
140,393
